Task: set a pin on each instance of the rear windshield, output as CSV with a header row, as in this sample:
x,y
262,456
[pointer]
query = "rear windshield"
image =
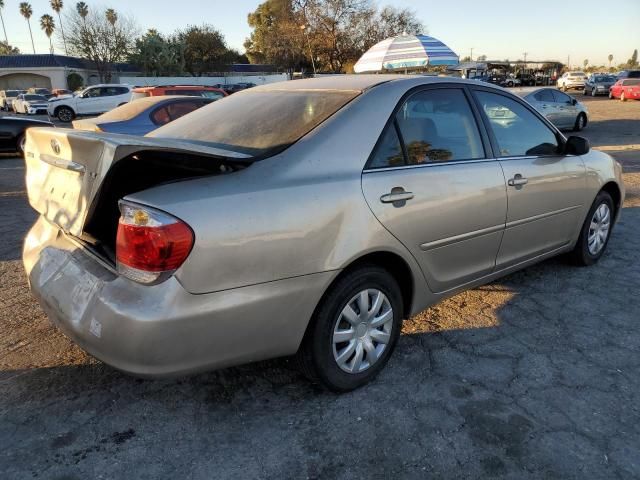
x,y
628,83
577,74
633,74
131,109
604,78
257,123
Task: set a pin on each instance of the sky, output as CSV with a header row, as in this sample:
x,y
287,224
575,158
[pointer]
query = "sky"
x,y
545,29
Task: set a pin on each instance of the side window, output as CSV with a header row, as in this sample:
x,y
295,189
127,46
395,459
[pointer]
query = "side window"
x,y
177,110
161,116
438,126
388,152
93,93
544,96
122,90
517,130
561,97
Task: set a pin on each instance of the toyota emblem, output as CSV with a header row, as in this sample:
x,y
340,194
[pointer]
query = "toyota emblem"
x,y
55,146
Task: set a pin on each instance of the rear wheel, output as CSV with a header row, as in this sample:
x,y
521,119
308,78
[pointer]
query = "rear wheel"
x,y
20,141
64,114
593,92
595,232
610,95
581,122
354,330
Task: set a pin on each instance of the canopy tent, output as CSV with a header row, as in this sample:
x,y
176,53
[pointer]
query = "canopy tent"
x,y
405,52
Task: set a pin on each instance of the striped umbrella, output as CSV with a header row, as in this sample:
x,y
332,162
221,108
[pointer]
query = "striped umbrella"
x,y
405,51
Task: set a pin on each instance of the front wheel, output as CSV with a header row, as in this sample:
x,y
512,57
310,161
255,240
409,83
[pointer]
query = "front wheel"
x,y
64,114
354,330
20,142
595,232
581,122
622,97
610,95
593,92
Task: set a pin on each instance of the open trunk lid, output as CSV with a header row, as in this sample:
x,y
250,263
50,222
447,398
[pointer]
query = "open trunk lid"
x,y
66,168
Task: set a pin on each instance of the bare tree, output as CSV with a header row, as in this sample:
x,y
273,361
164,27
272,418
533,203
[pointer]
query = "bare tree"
x,y
48,25
56,6
91,35
26,11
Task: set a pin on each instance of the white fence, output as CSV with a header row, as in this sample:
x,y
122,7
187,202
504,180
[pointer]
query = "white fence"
x,y
150,81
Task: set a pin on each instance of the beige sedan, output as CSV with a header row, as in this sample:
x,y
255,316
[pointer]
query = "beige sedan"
x,y
307,217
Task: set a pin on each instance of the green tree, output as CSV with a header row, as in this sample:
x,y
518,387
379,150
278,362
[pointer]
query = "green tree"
x,y
157,55
2,19
6,49
48,25
26,11
56,6
205,50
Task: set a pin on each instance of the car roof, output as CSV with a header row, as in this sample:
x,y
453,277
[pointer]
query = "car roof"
x,y
175,87
353,82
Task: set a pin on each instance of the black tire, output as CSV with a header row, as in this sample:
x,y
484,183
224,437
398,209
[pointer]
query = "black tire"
x,y
315,356
622,97
581,122
20,144
65,114
581,255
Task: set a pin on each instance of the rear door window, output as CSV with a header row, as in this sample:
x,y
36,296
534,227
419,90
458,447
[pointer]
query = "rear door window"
x,y
544,96
438,126
561,97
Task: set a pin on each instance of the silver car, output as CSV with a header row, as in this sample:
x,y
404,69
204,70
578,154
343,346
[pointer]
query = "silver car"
x,y
564,111
307,217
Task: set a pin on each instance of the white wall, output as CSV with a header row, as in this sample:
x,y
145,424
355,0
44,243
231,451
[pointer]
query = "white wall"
x,y
257,79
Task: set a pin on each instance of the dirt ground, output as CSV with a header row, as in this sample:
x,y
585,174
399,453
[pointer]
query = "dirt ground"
x,y
532,376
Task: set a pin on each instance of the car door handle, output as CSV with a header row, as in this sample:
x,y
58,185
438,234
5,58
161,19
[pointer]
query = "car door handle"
x,y
518,180
396,195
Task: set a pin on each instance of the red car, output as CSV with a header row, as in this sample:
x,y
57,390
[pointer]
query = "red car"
x,y
626,89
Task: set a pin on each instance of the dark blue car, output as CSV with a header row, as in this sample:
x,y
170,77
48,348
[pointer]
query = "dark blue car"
x,y
141,116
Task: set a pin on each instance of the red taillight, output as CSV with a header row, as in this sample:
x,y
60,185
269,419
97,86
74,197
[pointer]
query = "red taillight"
x,y
150,245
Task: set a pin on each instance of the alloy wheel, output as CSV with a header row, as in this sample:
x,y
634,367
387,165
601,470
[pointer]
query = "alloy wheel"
x,y
362,331
599,229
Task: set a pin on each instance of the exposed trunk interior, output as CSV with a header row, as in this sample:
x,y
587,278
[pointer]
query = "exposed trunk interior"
x,y
137,172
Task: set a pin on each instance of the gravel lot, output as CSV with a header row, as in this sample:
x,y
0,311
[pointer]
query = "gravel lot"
x,y
533,376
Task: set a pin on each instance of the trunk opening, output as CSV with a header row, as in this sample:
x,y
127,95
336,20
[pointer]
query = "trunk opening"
x,y
141,171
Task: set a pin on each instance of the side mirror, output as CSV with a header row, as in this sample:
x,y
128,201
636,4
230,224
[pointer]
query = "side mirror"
x,y
574,101
577,146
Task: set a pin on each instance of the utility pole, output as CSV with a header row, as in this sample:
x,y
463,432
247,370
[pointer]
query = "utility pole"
x,y
525,59
568,62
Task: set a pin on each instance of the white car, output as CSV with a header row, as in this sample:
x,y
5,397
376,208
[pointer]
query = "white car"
x,y
30,103
93,100
7,97
572,80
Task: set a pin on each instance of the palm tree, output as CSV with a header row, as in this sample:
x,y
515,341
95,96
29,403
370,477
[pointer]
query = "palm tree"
x,y
48,25
26,11
610,57
57,5
83,11
585,63
2,18
112,17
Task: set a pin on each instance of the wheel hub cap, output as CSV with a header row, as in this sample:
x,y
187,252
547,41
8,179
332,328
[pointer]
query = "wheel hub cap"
x,y
362,331
599,229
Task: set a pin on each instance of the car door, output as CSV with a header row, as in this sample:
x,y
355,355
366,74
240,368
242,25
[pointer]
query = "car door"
x,y
567,111
433,184
89,103
545,103
544,187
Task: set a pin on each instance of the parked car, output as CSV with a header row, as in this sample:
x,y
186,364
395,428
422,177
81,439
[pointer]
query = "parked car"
x,y
30,103
12,132
61,92
91,101
7,97
526,79
510,81
143,115
45,92
312,219
625,89
235,87
571,81
598,84
190,90
628,74
563,111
